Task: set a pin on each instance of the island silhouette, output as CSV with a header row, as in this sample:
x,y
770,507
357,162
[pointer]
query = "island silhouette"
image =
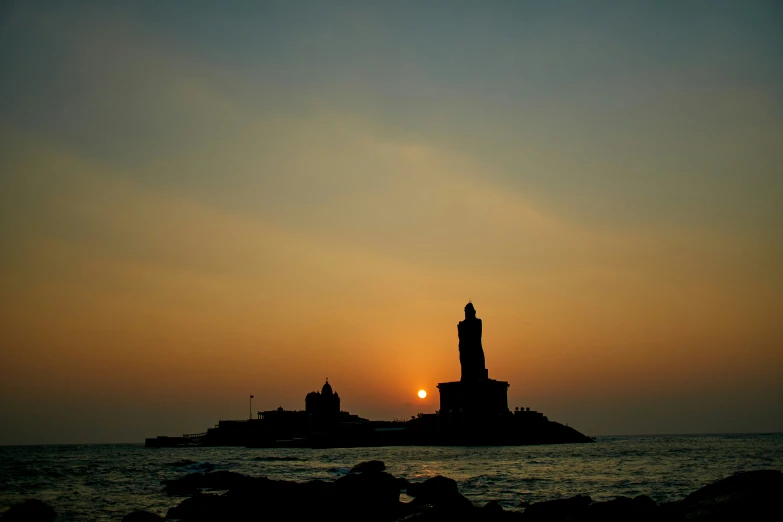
x,y
473,411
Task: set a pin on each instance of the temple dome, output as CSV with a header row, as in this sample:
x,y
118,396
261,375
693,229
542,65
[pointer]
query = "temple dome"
x,y
327,389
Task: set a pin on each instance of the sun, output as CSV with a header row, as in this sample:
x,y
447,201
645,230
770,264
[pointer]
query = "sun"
x,y
422,394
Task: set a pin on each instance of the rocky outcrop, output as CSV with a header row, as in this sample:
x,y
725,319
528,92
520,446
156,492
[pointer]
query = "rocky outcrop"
x,y
217,480
743,496
751,495
360,495
142,516
582,508
641,509
373,494
370,493
370,465
558,509
30,511
434,490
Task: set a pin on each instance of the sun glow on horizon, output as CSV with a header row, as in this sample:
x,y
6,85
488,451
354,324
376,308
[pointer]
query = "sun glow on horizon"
x,y
214,221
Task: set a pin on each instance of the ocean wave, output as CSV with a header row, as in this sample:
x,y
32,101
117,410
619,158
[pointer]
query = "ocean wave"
x,y
198,467
181,463
532,479
482,479
277,459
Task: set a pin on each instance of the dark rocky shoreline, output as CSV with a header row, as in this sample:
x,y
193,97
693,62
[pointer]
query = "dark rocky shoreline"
x,y
368,492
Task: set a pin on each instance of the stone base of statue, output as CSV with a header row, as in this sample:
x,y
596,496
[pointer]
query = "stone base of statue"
x,y
471,411
486,395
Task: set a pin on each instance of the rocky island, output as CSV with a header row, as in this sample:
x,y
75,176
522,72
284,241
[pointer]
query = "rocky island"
x,y
473,411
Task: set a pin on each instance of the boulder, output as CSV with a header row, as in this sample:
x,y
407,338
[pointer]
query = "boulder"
x,y
377,493
433,490
641,508
425,514
201,508
194,482
31,510
492,511
279,499
492,507
403,483
317,490
369,466
747,495
187,485
457,507
451,509
643,503
225,480
251,497
559,509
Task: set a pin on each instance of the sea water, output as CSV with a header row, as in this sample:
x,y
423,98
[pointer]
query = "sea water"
x,y
105,482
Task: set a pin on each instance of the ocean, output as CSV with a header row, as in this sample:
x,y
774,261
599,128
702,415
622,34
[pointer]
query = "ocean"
x,y
107,481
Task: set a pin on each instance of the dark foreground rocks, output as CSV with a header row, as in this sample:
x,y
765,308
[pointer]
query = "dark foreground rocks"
x,y
369,495
374,494
30,511
749,495
142,516
753,495
370,465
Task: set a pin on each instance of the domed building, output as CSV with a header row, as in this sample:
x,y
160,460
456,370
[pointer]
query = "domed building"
x,y
323,404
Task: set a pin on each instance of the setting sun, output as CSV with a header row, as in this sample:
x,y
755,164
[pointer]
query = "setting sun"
x,y
422,394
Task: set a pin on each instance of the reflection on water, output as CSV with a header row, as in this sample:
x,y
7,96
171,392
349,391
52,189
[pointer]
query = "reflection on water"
x,y
105,482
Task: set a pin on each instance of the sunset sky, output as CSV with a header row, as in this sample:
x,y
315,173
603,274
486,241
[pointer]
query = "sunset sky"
x,y
204,200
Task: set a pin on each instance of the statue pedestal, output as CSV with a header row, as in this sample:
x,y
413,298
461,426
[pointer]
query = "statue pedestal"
x,y
472,410
478,396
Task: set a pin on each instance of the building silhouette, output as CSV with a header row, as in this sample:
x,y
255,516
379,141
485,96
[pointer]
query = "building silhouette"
x,y
323,404
473,411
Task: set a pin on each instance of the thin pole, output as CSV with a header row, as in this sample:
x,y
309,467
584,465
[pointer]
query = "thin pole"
x,y
250,409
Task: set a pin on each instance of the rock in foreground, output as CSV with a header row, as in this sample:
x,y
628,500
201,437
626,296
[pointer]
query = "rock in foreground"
x,y
30,511
142,516
370,465
751,495
373,494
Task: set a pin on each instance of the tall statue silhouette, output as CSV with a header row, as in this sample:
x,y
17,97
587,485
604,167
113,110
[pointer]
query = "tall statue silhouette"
x,y
471,354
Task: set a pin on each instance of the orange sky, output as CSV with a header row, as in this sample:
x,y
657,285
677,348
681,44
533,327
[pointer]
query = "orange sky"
x,y
184,222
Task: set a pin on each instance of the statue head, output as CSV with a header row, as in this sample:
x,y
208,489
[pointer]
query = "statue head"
x,y
470,311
